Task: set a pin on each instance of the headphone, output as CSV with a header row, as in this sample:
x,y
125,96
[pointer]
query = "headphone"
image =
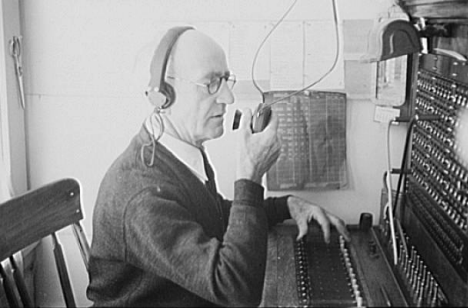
x,y
159,92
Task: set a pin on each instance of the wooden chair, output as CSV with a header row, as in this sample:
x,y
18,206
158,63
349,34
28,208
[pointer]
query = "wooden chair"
x,y
30,217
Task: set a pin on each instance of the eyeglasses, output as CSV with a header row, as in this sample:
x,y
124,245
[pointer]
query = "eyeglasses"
x,y
215,84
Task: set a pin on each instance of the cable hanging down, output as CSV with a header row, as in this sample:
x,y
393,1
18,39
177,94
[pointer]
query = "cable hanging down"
x,y
335,61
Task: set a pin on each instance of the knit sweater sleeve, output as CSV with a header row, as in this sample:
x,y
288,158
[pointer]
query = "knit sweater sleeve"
x,y
162,236
276,209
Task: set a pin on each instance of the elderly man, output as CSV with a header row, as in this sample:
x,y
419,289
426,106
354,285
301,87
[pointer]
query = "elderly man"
x,y
162,234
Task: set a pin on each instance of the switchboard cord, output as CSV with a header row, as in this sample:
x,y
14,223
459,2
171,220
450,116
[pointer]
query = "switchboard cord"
x,y
404,167
335,61
389,206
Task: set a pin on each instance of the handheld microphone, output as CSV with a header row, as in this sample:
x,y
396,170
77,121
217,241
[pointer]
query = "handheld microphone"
x,y
260,118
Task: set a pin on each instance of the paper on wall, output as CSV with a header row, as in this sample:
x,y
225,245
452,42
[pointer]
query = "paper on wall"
x,y
287,56
320,52
245,40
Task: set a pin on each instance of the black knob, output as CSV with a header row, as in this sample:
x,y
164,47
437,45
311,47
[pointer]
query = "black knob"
x,y
365,221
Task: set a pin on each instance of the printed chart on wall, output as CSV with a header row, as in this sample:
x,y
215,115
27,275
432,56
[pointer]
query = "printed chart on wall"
x,y
312,129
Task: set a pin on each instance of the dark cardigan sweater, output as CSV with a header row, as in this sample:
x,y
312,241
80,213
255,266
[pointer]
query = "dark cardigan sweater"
x,y
159,240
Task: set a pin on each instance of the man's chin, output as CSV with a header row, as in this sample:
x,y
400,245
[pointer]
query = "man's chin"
x,y
216,133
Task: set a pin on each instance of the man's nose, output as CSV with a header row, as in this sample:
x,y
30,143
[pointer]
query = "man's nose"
x,y
225,94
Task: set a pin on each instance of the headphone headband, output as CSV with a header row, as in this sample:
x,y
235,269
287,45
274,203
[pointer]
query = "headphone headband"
x,y
159,63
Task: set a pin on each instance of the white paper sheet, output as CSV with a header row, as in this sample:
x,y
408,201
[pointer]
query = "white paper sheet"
x,y
320,53
245,39
287,56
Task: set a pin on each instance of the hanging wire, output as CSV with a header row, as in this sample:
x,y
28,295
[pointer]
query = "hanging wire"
x,y
335,61
404,165
389,206
15,52
263,42
156,115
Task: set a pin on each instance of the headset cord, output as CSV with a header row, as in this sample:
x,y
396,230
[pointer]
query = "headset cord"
x,y
156,115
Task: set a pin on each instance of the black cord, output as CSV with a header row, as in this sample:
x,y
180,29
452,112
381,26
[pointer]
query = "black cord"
x,y
404,167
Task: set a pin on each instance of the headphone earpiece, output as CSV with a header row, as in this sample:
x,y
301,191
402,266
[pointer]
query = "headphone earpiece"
x,y
157,99
170,95
160,93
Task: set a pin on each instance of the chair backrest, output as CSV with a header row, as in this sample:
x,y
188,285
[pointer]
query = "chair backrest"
x,y
32,216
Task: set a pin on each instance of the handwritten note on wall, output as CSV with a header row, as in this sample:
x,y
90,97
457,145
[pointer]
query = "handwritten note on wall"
x,y
312,131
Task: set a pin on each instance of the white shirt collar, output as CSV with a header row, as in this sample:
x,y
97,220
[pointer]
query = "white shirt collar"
x,y
187,153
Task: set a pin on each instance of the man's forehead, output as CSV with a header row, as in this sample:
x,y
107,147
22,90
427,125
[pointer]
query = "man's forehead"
x,y
198,54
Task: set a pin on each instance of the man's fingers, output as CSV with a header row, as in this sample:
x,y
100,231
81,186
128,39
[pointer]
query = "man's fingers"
x,y
245,119
322,218
302,226
326,233
274,122
341,227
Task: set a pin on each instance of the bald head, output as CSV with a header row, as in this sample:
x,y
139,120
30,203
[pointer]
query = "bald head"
x,y
193,53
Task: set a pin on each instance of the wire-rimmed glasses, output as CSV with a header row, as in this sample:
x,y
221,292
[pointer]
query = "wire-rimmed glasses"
x,y
215,84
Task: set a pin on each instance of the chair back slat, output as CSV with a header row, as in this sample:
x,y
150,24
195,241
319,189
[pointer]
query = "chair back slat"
x,y
10,295
20,284
4,300
82,242
28,218
67,290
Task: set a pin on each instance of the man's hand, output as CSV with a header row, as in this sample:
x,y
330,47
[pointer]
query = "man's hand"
x,y
302,211
256,153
